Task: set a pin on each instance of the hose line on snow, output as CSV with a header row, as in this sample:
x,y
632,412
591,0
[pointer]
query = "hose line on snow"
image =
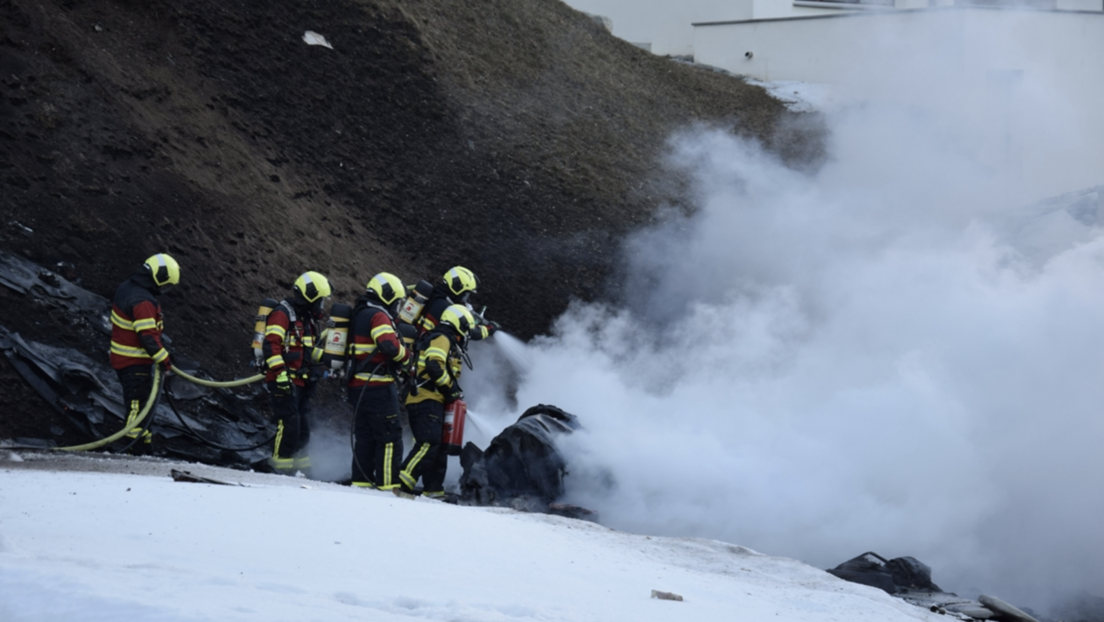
x,y
155,389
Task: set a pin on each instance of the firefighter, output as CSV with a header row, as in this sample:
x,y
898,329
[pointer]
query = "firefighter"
x,y
437,377
378,356
136,342
289,349
455,287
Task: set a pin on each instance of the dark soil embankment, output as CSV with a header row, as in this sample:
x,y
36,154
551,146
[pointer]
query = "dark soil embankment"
x,y
513,136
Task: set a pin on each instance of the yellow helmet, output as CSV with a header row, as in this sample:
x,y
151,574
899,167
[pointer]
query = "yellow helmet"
x,y
312,286
458,317
164,270
459,280
387,287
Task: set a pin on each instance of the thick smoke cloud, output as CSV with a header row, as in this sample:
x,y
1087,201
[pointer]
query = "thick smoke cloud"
x,y
865,358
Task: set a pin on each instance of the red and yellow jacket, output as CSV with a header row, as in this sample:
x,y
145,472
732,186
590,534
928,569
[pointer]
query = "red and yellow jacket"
x,y
288,344
136,326
375,345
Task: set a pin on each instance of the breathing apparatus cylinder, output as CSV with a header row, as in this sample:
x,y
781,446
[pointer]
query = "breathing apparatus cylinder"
x,y
452,433
412,308
267,305
337,338
408,333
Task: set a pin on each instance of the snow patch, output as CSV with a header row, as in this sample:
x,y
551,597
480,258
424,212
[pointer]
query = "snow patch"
x,y
313,38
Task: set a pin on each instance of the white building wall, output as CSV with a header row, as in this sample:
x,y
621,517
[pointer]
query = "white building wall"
x,y
842,48
1080,5
667,25
1014,73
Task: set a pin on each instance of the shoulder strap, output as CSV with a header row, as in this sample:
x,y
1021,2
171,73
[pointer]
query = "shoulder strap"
x,y
422,342
358,368
286,309
290,311
351,340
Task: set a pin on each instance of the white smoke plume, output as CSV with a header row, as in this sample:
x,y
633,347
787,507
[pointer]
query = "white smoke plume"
x,y
864,358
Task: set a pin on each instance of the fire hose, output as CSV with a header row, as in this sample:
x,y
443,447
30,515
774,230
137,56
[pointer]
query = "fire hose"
x,y
216,383
150,401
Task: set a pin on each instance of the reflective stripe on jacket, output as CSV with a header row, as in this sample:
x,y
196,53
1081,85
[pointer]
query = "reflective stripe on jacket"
x,y
439,366
136,326
375,345
287,344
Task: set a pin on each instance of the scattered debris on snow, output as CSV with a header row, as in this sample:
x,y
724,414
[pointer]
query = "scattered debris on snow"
x,y
187,476
1006,611
910,580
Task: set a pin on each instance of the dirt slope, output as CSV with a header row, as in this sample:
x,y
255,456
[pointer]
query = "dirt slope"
x,y
516,137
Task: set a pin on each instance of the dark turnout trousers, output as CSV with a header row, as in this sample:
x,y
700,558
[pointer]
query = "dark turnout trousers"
x,y
292,413
426,460
378,432
137,381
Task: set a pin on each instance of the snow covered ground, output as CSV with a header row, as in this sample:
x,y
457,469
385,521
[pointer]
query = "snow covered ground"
x,y
110,538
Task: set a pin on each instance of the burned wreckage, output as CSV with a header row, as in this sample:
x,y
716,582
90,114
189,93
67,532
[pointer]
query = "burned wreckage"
x,y
521,468
910,580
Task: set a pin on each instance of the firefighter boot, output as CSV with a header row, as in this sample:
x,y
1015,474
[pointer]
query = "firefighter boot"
x,y
141,440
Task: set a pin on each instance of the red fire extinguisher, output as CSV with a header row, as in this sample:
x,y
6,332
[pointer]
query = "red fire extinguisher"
x,y
452,437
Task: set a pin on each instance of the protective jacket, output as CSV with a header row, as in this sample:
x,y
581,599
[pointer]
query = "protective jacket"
x,y
438,301
136,324
376,346
288,343
439,366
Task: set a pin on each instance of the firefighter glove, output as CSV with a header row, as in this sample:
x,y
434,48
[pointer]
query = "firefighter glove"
x,y
492,327
166,365
400,372
283,383
452,393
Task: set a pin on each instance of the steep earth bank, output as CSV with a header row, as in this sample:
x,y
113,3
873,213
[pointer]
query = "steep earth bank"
x,y
516,137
